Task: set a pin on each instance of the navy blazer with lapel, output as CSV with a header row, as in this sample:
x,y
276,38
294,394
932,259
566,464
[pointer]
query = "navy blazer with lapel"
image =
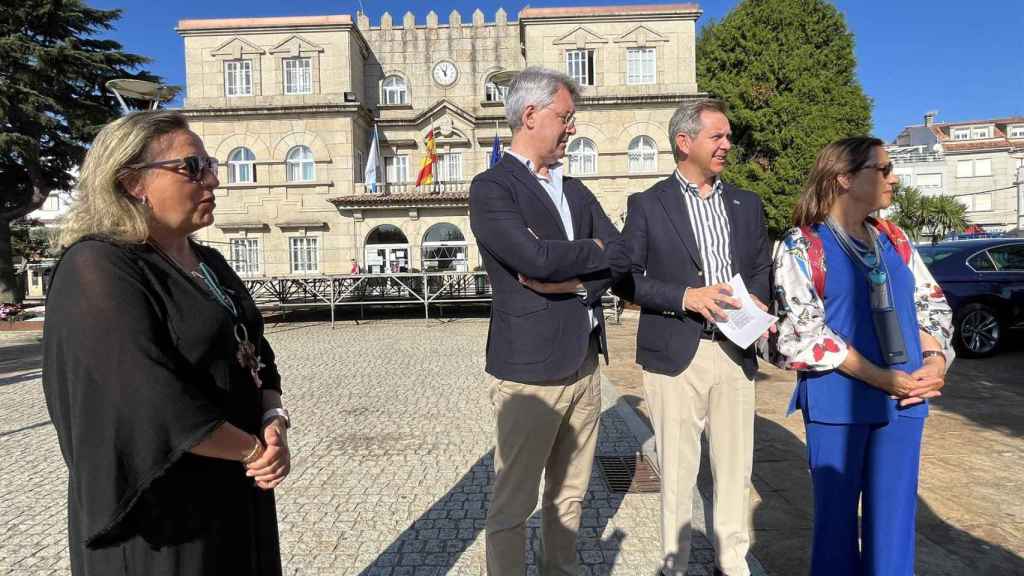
x,y
666,259
538,337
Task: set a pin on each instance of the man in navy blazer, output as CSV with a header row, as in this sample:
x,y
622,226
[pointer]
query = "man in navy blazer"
x,y
549,251
687,236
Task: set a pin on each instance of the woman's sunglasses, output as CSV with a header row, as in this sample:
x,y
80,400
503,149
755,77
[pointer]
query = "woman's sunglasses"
x,y
194,166
885,169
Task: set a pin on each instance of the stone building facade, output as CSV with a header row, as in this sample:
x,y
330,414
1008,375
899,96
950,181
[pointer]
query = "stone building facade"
x,y
289,106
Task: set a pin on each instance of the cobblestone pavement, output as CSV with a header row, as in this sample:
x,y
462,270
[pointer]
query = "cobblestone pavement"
x,y
970,513
392,450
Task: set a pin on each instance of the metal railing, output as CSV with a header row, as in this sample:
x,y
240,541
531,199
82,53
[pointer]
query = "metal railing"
x,y
390,289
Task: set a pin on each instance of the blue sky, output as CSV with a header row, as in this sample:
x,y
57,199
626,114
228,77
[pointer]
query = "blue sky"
x,y
964,59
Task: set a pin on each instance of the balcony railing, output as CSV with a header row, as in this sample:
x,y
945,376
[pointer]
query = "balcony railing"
x,y
449,187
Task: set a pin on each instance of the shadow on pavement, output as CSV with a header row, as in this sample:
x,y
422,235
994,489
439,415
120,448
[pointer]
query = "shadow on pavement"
x,y
989,391
782,520
433,543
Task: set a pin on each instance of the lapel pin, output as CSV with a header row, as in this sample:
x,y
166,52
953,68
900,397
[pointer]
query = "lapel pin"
x,y
737,202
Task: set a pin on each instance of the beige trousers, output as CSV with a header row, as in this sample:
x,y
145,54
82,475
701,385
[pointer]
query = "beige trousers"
x,y
713,396
549,428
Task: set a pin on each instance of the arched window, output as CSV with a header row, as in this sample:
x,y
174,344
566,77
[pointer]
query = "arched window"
x,y
643,154
300,165
240,166
493,92
394,90
582,157
387,250
444,248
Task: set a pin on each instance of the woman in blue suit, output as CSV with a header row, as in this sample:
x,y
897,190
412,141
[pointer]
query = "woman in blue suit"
x,y
869,331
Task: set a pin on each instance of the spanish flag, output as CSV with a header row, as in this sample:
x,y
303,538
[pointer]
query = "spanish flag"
x,y
427,167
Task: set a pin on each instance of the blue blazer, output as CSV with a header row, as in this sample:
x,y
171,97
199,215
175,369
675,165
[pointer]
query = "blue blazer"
x,y
665,259
833,397
540,337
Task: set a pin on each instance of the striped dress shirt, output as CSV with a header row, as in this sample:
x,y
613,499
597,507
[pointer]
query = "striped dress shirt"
x,y
711,229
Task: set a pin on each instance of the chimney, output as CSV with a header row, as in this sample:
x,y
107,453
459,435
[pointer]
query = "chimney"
x,y
929,117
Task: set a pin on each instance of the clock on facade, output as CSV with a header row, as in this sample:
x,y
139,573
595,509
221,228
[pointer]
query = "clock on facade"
x,y
445,73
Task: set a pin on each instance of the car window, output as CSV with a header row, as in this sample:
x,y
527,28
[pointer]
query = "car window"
x,y
981,262
1008,258
933,254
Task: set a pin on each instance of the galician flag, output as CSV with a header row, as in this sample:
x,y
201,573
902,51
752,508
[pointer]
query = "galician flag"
x,y
372,163
427,167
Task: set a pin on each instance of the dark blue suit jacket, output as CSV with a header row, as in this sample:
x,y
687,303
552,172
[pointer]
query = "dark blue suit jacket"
x,y
666,259
536,337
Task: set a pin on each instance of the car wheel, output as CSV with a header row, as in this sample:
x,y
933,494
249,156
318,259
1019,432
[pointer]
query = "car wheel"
x,y
978,331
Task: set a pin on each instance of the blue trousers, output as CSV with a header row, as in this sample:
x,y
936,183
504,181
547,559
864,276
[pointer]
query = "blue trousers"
x,y
875,465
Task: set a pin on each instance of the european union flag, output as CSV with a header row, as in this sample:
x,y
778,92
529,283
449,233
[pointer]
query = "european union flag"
x,y
495,150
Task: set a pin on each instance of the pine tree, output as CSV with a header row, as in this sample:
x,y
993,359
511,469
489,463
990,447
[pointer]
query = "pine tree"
x,y
787,70
53,67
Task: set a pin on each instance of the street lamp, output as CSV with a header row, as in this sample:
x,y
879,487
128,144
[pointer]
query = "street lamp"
x,y
151,92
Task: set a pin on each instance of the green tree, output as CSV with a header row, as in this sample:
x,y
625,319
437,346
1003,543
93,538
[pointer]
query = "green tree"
x,y
910,210
787,70
918,214
53,67
946,215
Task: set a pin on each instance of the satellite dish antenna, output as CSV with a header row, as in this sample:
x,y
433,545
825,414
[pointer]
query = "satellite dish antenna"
x,y
504,78
144,90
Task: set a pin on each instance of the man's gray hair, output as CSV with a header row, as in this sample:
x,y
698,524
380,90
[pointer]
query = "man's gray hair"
x,y
535,86
686,119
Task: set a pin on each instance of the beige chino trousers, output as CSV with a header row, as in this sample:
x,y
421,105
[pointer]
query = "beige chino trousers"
x,y
713,396
548,428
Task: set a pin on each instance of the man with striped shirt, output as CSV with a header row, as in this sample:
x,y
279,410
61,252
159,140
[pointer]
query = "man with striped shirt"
x,y
687,236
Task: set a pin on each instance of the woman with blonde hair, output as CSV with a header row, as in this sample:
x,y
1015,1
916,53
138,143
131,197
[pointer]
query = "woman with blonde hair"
x,y
162,388
869,331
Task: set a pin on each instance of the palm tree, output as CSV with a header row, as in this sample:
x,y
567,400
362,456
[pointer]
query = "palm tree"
x,y
946,214
910,210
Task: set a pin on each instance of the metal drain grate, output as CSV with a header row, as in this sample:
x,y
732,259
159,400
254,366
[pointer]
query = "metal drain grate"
x,y
629,474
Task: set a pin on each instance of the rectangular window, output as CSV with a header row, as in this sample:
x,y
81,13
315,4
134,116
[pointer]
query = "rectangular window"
x,y
979,132
245,256
579,65
52,203
929,180
304,255
449,167
640,65
964,168
982,202
396,169
298,76
1016,131
961,134
983,167
967,201
238,78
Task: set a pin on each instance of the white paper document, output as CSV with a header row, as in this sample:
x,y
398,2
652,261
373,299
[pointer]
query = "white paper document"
x,y
748,322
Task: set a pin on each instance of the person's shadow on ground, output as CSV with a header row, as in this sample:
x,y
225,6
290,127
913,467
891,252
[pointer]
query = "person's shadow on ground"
x,y
782,520
433,543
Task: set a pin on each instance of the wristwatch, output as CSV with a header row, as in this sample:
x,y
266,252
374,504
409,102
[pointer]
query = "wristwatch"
x,y
275,413
929,353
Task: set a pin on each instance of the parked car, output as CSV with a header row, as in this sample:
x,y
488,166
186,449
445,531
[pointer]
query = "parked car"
x,y
984,282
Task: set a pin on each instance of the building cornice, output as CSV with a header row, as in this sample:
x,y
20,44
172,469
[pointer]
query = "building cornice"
x,y
400,201
636,13
315,109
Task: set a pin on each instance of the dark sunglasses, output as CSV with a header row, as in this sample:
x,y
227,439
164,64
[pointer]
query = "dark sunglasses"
x,y
885,169
194,166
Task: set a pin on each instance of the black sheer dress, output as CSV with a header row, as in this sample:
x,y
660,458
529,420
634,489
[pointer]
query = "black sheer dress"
x,y
139,366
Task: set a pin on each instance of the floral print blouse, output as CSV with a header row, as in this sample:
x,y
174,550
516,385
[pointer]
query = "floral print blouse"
x,y
805,341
